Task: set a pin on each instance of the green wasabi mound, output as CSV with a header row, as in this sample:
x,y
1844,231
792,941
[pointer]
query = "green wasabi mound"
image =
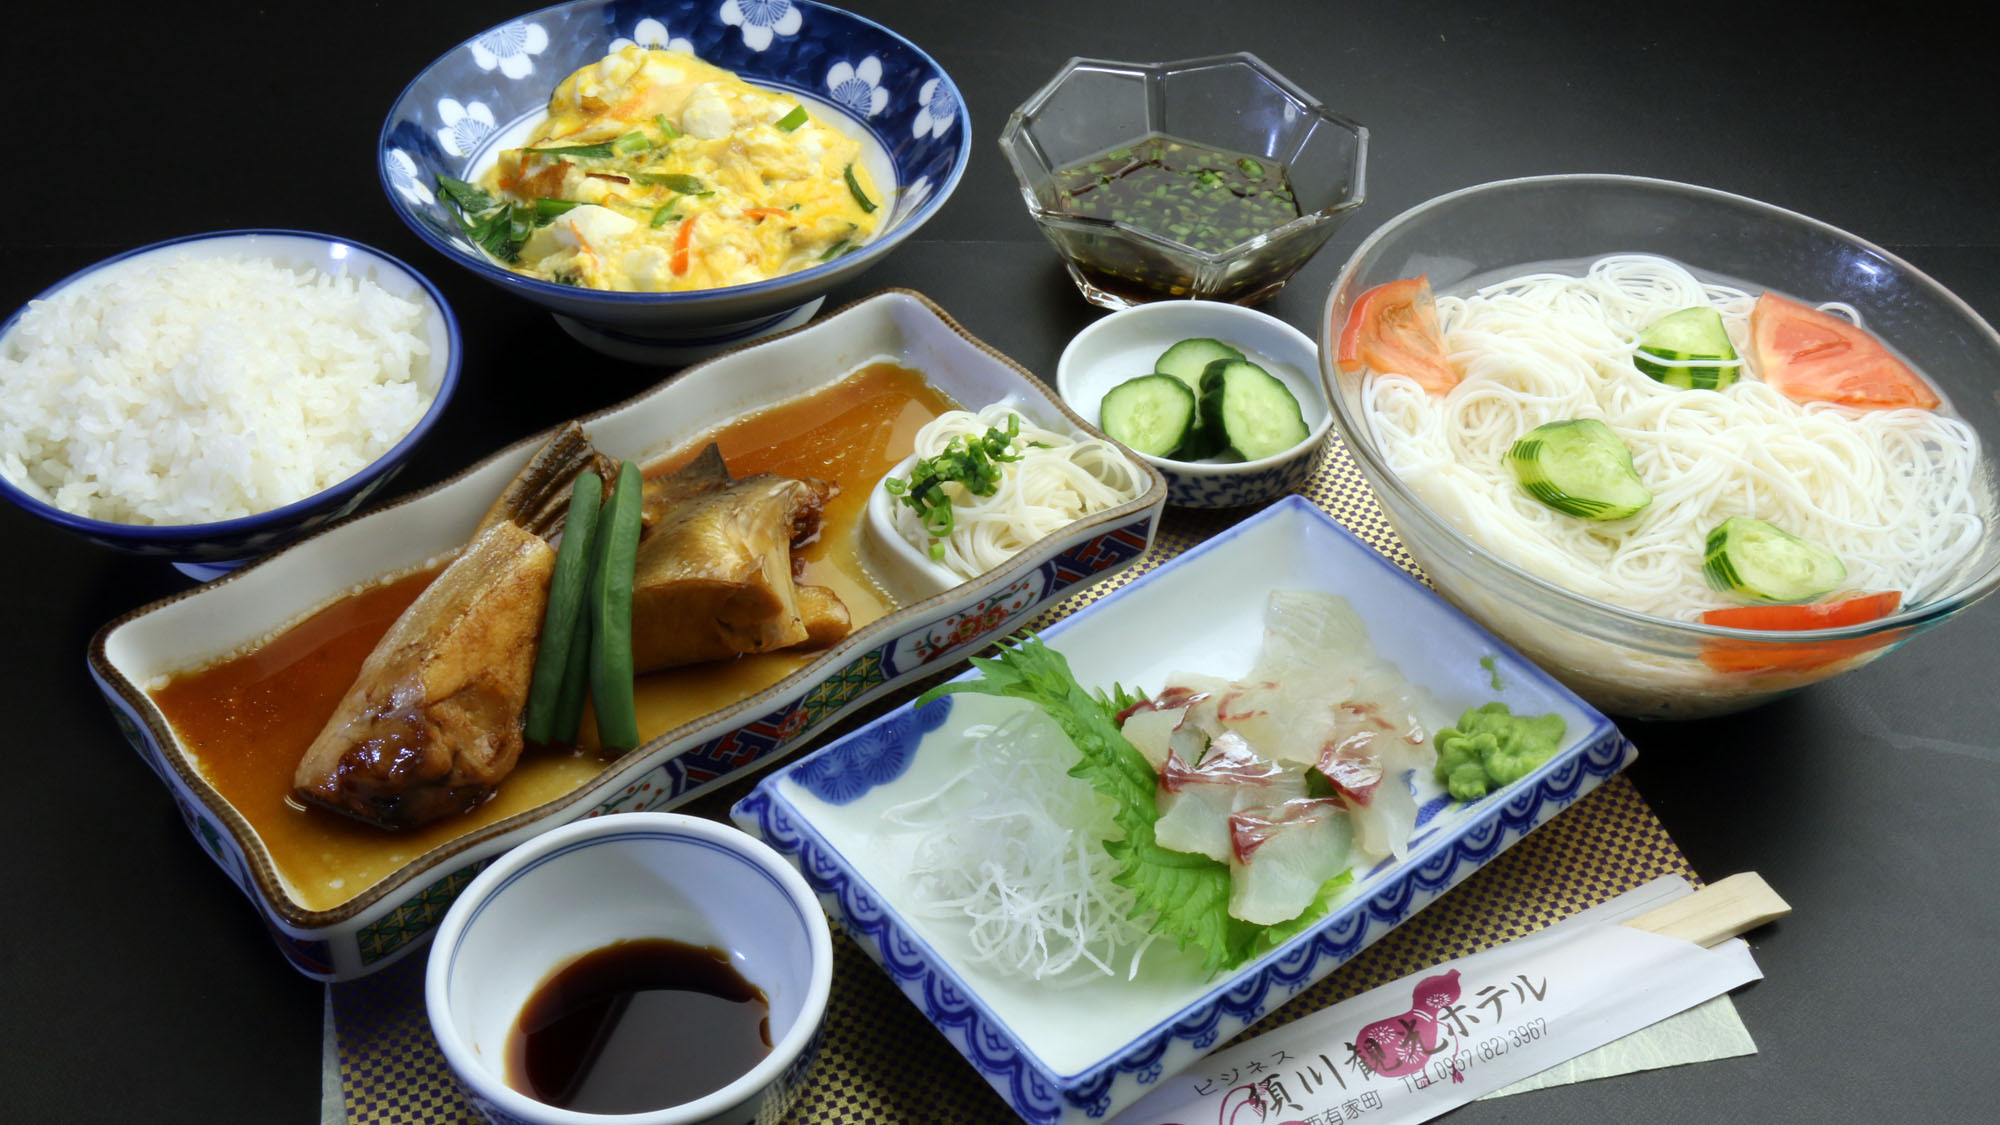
x,y
1491,747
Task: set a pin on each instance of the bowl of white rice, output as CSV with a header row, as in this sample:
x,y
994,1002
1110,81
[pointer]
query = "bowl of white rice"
x,y
208,399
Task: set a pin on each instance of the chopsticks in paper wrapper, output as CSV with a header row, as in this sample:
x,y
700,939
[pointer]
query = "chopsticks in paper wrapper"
x,y
1414,1048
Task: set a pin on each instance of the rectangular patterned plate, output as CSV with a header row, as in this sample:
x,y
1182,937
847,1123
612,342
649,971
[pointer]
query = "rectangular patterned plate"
x,y
1080,1053
386,920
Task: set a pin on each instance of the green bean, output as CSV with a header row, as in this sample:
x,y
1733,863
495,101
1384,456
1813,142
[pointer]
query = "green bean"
x,y
559,621
611,615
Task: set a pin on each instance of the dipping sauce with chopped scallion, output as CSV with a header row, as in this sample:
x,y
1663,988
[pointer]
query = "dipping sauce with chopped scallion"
x,y
1207,198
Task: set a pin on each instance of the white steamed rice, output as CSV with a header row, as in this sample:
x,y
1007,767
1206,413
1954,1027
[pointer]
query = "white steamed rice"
x,y
178,390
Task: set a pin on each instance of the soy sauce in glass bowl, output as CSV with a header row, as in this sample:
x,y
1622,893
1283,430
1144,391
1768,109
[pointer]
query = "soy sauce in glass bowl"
x,y
1261,177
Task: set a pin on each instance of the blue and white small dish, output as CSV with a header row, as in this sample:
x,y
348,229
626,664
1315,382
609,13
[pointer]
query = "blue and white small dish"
x,y
630,877
206,550
886,90
1127,343
1084,1051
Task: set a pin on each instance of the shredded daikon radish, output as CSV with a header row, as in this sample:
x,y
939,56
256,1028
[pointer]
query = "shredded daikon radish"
x,y
1014,846
1058,479
1892,492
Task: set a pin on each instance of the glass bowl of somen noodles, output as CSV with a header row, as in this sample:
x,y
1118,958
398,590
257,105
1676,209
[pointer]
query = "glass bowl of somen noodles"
x,y
1686,450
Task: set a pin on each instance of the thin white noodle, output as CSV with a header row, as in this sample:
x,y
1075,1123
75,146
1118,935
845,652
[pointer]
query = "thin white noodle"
x,y
1889,491
1058,480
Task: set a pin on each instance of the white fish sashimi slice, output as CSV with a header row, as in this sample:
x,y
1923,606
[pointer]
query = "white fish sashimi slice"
x,y
1310,634
1151,733
1195,802
1283,855
1369,771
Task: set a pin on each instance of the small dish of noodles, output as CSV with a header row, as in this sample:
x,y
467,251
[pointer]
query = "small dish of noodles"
x,y
215,378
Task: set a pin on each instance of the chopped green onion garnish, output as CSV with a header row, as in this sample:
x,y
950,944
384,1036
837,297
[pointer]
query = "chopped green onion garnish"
x,y
834,251
667,129
663,215
550,208
464,194
973,463
860,197
677,181
601,150
631,143
794,119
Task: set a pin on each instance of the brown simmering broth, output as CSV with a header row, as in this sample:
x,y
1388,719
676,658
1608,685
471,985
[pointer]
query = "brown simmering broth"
x,y
247,721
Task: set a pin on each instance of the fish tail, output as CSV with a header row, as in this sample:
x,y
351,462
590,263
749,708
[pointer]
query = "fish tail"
x,y
538,497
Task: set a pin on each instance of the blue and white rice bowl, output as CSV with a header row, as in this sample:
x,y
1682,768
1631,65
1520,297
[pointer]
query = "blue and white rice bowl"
x,y
204,550
483,94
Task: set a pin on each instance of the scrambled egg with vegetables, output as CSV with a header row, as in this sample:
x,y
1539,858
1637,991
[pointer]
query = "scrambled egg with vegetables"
x,y
658,172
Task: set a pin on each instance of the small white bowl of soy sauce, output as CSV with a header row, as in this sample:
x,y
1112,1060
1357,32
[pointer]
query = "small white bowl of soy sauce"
x,y
648,968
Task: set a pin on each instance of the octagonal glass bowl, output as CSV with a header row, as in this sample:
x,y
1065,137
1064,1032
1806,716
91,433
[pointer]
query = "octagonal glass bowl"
x,y
1095,108
482,96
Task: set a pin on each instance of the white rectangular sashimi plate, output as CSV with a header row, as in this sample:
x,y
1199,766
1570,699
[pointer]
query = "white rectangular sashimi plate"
x,y
1074,1054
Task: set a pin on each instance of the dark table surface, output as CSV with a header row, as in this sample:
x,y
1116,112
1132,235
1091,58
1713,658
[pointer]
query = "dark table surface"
x,y
136,982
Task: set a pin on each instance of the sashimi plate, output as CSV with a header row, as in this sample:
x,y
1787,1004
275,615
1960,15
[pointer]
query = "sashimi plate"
x,y
1082,1052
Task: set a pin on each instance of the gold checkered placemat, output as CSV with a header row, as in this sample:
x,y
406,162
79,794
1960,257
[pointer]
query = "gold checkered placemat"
x,y
881,1061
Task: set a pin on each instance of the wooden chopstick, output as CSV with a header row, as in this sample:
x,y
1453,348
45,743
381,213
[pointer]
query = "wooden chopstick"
x,y
1716,912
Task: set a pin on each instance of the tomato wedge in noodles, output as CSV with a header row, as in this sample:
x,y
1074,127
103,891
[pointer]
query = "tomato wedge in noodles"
x,y
1393,329
1793,656
1812,356
1816,615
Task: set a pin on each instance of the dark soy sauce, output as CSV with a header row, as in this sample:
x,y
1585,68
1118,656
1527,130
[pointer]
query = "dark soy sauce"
x,y
638,1026
1207,198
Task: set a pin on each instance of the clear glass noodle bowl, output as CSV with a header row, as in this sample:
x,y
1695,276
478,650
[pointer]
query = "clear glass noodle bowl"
x,y
1620,660
1233,102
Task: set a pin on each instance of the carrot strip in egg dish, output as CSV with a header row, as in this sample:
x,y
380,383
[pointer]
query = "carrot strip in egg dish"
x,y
657,172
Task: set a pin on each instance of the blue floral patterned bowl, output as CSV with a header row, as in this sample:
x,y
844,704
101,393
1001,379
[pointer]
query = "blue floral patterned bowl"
x,y
462,104
206,550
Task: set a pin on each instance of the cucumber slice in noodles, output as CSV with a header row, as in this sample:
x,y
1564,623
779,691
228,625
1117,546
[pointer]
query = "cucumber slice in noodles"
x,y
1579,468
1689,349
1756,560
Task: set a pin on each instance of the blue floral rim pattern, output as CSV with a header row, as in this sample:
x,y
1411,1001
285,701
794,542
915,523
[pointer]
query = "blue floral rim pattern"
x,y
885,84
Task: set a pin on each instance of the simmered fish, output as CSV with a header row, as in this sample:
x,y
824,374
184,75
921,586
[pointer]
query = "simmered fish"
x,y
714,577
432,723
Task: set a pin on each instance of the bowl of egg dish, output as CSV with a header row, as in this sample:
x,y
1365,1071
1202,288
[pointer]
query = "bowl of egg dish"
x,y
670,179
1686,450
209,399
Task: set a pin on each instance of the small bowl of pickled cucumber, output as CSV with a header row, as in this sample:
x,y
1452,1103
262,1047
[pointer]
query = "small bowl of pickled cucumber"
x,y
1222,399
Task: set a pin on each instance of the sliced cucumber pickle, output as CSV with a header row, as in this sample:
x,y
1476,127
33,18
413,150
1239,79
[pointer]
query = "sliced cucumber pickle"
x,y
1689,349
1152,414
1252,410
1579,468
1756,560
1188,359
